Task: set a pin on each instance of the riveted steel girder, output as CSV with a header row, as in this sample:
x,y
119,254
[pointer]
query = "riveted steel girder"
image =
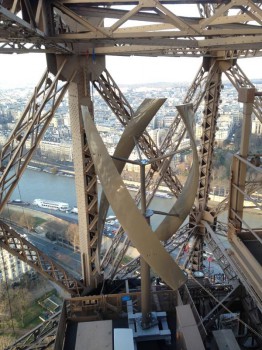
x,y
41,337
246,242
19,35
134,223
185,200
26,135
239,80
107,28
225,30
85,180
212,96
160,170
134,129
131,269
25,251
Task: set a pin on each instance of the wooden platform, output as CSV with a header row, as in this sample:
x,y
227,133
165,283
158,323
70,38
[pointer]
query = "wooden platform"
x,y
94,335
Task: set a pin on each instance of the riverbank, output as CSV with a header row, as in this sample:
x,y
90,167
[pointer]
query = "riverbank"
x,y
52,168
53,228
35,184
67,170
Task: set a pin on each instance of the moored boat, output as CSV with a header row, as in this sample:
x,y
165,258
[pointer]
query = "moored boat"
x,y
53,205
162,195
74,210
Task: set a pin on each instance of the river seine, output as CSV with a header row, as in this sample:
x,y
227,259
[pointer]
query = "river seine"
x,y
38,184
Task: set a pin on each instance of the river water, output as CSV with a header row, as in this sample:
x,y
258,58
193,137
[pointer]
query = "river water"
x,y
38,184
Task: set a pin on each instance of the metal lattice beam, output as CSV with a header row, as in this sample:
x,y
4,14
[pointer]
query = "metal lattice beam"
x,y
41,337
27,134
160,170
86,181
208,135
20,36
239,80
70,27
18,246
224,30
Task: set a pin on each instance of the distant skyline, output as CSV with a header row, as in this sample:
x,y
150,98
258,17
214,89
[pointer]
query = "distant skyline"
x,y
26,69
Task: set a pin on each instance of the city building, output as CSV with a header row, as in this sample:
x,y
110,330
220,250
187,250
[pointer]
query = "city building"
x,y
11,268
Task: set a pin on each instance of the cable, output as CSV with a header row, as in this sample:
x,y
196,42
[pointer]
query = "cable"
x,y
224,307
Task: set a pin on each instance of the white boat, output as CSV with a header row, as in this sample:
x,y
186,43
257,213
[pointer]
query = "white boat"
x,y
53,205
162,195
110,218
35,168
74,210
18,202
61,173
132,188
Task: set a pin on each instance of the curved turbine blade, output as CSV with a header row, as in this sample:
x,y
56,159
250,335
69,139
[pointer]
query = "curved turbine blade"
x,y
138,230
186,199
125,146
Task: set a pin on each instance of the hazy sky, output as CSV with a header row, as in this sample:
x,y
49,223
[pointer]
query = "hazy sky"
x,y
26,69
23,70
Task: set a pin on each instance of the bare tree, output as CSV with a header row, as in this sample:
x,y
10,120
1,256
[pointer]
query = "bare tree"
x,y
21,299
5,341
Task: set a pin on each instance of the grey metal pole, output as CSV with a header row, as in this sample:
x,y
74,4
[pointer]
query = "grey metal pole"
x,y
145,268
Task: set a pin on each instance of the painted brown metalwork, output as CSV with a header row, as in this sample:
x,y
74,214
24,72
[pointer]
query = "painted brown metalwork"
x,y
159,170
25,137
165,32
25,251
115,99
221,31
85,179
41,337
134,223
125,146
185,201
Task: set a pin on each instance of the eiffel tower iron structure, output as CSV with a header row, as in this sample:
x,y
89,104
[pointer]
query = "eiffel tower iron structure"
x,y
76,36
